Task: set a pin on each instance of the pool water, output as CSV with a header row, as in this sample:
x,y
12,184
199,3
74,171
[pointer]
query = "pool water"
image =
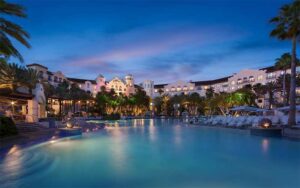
x,y
156,153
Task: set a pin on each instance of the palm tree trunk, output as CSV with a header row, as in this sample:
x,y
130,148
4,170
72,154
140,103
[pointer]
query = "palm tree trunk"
x,y
284,89
292,113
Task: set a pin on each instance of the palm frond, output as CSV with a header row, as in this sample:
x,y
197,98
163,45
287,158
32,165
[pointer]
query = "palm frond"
x,y
12,9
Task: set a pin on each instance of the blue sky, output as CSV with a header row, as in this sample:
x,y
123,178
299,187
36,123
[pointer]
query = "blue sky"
x,y
159,40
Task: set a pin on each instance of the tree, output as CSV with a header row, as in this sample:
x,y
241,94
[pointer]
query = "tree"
x,y
288,28
284,63
209,92
268,89
76,94
9,30
13,76
61,92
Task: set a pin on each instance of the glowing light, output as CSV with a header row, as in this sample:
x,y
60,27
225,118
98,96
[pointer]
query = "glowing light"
x,y
266,125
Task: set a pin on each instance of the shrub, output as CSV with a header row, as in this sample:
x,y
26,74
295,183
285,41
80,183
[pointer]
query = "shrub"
x,y
7,127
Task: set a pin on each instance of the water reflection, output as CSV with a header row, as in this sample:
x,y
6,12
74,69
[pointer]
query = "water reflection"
x,y
12,163
265,145
152,131
117,152
177,136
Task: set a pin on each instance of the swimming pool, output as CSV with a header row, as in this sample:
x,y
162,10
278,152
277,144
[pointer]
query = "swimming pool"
x,y
156,153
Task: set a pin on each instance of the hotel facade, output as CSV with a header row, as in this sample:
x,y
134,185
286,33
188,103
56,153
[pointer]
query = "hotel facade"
x,y
33,106
226,84
123,86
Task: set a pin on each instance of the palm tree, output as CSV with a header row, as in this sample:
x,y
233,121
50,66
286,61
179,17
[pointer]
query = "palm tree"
x,y
13,76
288,28
284,63
268,89
9,30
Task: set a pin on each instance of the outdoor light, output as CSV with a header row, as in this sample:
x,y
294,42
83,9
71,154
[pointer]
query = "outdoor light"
x,y
69,125
12,102
266,125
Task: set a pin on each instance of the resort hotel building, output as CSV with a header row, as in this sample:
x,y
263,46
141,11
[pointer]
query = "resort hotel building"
x,y
124,86
32,106
226,84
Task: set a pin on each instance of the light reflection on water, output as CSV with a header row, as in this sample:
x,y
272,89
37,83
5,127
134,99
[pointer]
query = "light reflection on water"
x,y
155,153
265,145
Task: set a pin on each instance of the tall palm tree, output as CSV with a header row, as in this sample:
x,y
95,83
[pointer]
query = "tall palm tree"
x,y
9,30
288,28
284,63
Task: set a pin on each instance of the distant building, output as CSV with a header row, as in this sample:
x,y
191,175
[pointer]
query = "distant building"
x,y
125,86
226,84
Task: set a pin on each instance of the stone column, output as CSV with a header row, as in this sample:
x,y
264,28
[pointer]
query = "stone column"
x,y
32,115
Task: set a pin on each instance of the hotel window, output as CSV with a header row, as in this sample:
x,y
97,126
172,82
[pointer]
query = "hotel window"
x,y
191,88
167,90
271,75
49,78
232,82
60,80
173,89
251,78
239,81
178,88
55,79
155,90
88,85
260,77
185,88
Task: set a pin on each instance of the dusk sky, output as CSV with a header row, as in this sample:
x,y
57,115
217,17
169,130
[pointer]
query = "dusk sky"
x,y
159,40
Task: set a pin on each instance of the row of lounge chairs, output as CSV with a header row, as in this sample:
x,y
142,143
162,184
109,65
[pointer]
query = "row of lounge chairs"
x,y
244,121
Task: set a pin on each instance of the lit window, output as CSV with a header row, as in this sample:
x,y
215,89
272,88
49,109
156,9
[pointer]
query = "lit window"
x,y
239,81
260,77
167,90
232,82
155,90
178,89
191,88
